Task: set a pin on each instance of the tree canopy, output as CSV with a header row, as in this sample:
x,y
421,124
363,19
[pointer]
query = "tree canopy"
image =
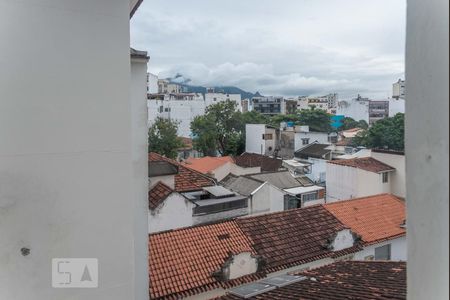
x,y
316,119
220,130
387,133
163,138
349,123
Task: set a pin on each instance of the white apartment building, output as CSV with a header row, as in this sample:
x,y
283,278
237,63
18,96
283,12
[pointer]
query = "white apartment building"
x,y
213,98
182,108
398,89
261,139
167,87
327,102
357,109
396,106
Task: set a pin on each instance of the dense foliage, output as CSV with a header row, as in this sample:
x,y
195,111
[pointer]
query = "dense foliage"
x,y
349,123
388,133
163,139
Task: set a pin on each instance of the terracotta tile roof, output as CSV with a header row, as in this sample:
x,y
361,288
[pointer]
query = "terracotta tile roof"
x,y
187,179
182,261
344,280
158,194
291,237
365,163
207,164
250,160
374,218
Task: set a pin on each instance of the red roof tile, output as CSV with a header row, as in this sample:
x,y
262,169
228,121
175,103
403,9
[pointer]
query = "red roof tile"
x,y
365,163
291,237
158,194
375,218
187,179
343,280
207,164
182,261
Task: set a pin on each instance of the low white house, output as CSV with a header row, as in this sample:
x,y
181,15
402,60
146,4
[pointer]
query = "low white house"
x,y
395,159
261,139
357,177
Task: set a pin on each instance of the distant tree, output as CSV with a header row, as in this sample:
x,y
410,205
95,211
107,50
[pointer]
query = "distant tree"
x,y
220,130
387,133
163,139
253,117
316,119
349,123
277,119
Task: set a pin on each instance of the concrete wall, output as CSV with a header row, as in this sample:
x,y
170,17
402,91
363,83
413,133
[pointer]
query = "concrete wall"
x,y
318,170
175,212
398,250
242,264
427,159
253,138
347,183
398,178
139,134
213,98
267,198
66,159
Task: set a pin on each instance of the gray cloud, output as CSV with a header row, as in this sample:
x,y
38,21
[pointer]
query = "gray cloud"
x,y
286,47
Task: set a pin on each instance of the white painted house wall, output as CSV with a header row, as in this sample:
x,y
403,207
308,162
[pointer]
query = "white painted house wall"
x,y
66,156
396,106
399,249
398,178
427,148
139,134
318,170
174,212
265,199
254,142
346,183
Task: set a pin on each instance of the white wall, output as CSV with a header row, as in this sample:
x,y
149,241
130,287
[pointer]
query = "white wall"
x,y
342,182
66,160
139,134
318,169
427,123
348,182
398,178
253,138
396,106
175,212
152,84
358,110
321,137
213,98
398,249
182,111
267,198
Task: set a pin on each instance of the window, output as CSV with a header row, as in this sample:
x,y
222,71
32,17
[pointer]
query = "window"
x,y
267,136
291,202
385,177
305,141
167,109
383,252
161,109
220,207
309,197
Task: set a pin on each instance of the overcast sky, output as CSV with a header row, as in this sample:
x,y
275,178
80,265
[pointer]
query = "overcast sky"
x,y
276,47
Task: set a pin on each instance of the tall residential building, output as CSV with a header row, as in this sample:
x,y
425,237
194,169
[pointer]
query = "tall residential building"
x,y
152,83
269,105
212,97
398,89
378,110
167,87
181,107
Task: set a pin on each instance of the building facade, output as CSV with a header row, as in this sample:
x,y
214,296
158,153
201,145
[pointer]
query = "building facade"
x,y
398,89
